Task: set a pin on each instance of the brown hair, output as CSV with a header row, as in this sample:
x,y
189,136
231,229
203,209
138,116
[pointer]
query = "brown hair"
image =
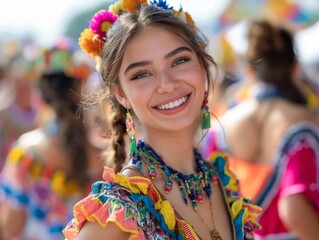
x,y
56,89
271,53
127,26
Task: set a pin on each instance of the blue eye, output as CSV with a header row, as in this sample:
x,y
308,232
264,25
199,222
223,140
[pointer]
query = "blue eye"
x,y
180,60
140,75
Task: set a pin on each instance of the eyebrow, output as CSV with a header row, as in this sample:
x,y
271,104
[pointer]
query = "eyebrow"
x,y
168,55
176,51
136,64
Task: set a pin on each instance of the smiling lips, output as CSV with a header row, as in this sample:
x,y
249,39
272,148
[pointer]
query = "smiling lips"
x,y
173,104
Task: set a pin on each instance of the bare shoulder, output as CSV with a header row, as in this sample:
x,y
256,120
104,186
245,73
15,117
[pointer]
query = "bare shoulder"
x,y
240,113
290,113
95,231
241,130
238,119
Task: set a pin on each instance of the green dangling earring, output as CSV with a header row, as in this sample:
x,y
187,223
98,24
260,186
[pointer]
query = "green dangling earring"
x,y
130,129
206,114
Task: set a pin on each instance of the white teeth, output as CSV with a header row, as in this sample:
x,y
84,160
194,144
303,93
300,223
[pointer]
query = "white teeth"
x,y
174,104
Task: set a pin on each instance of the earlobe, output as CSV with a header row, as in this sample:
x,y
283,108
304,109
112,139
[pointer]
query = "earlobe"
x,y
120,97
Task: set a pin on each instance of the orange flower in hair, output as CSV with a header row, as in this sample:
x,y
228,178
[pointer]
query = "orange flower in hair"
x,y
185,15
177,13
90,42
92,39
189,19
133,5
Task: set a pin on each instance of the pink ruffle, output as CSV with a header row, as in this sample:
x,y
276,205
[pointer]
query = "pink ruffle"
x,y
93,210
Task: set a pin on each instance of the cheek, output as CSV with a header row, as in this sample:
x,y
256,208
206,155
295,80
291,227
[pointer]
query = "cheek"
x,y
138,95
195,78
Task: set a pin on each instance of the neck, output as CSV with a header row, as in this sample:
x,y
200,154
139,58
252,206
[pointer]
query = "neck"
x,y
262,91
175,148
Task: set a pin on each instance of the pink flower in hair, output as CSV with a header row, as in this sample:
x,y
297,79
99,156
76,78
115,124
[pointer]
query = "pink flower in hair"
x,y
101,22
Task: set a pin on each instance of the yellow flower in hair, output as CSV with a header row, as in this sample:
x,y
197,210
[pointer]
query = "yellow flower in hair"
x,y
116,8
133,5
90,42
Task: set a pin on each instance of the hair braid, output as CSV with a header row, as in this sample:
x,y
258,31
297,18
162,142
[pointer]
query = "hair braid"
x,y
118,142
56,90
74,140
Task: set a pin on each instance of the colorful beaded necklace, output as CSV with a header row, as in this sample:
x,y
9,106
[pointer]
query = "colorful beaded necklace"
x,y
191,185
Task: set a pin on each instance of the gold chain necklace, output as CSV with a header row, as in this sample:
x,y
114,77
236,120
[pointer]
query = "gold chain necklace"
x,y
214,234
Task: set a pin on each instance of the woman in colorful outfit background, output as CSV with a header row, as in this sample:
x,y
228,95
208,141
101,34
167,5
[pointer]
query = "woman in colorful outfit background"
x,y
154,62
50,168
273,139
19,101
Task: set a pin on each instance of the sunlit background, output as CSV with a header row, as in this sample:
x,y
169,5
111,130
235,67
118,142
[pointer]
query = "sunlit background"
x,y
46,20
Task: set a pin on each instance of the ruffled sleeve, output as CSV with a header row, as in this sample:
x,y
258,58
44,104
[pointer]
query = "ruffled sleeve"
x,y
244,213
118,199
103,208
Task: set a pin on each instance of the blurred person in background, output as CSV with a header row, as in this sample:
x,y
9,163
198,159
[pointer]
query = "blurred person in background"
x,y
50,168
273,139
18,97
222,98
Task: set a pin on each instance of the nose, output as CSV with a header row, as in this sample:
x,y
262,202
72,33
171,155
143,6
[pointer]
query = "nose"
x,y
167,83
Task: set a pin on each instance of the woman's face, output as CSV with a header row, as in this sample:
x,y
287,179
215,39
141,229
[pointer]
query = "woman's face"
x,y
162,80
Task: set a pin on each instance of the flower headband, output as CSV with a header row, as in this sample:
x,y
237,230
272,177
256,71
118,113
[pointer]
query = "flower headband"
x,y
92,39
61,57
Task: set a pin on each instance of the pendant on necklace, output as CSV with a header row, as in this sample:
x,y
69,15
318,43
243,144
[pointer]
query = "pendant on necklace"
x,y
215,235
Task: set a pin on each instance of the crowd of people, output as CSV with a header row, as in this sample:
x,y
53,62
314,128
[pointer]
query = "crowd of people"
x,y
51,155
138,132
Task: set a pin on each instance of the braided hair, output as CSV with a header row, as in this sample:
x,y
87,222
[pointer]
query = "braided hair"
x,y
55,87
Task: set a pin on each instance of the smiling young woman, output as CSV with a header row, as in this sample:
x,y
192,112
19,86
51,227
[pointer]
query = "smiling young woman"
x,y
155,65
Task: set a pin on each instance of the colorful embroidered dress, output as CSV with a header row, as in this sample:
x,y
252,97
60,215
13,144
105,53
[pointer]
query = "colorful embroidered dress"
x,y
294,169
135,205
46,195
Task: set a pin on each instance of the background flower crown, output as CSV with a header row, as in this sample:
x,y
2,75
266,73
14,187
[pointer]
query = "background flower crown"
x,y
92,39
63,56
